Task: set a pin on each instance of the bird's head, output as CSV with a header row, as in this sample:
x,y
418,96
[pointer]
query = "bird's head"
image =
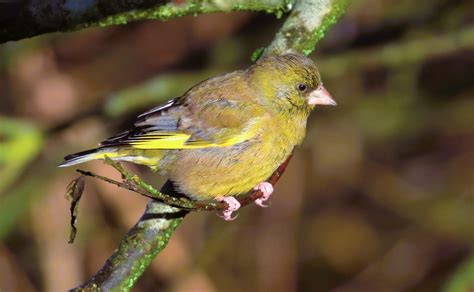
x,y
289,82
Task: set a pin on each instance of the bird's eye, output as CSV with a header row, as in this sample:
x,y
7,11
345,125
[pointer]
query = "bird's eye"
x,y
302,87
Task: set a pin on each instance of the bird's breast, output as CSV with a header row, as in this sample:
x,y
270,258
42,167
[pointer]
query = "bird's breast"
x,y
210,172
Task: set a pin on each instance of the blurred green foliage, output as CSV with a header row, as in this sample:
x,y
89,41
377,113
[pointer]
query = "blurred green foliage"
x,y
20,142
463,279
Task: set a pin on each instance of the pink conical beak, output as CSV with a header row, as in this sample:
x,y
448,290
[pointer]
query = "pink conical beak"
x,y
321,96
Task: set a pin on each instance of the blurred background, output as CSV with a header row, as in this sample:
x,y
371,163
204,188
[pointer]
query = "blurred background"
x,y
380,197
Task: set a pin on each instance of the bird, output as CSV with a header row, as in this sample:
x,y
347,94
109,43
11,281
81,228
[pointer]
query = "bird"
x,y
226,135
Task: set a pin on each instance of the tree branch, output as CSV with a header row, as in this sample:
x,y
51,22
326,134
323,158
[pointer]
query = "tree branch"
x,y
137,249
306,26
22,19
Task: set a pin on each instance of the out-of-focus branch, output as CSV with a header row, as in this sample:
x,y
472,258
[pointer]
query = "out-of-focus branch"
x,y
22,19
407,51
154,91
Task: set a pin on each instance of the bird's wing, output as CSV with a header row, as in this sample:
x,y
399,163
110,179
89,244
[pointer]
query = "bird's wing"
x,y
189,123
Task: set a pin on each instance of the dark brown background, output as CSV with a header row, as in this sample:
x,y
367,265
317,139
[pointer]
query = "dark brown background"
x,y
378,198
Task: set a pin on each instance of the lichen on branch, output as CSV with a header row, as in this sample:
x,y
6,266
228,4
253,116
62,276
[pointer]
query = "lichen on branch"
x,y
306,25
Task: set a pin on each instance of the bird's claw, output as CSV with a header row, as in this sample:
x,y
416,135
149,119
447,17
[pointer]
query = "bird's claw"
x,y
233,205
261,203
267,189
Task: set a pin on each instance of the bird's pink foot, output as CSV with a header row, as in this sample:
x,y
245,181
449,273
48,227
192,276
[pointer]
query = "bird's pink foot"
x,y
267,189
234,205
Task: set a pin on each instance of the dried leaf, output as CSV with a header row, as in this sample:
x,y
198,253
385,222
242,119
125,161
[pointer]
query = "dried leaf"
x,y
74,194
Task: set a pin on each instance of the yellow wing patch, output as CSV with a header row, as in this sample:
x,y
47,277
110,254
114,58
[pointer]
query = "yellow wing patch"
x,y
169,140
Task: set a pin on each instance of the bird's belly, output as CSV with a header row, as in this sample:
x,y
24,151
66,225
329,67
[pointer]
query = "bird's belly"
x,y
211,172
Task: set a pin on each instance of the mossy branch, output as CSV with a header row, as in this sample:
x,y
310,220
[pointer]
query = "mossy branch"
x,y
137,249
304,27
23,19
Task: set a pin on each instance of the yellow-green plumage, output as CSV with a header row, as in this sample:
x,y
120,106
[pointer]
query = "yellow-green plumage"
x,y
226,134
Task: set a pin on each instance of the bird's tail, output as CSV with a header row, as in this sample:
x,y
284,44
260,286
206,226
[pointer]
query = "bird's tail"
x,y
93,154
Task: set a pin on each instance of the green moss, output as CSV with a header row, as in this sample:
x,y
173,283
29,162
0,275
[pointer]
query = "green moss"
x,y
149,247
169,11
45,19
257,54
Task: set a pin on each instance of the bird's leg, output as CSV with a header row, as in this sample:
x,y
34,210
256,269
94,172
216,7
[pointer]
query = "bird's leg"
x,y
267,189
234,205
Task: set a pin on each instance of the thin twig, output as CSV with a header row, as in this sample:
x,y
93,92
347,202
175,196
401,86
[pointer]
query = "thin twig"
x,y
136,184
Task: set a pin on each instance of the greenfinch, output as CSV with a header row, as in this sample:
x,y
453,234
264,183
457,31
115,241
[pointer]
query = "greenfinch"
x,y
226,135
